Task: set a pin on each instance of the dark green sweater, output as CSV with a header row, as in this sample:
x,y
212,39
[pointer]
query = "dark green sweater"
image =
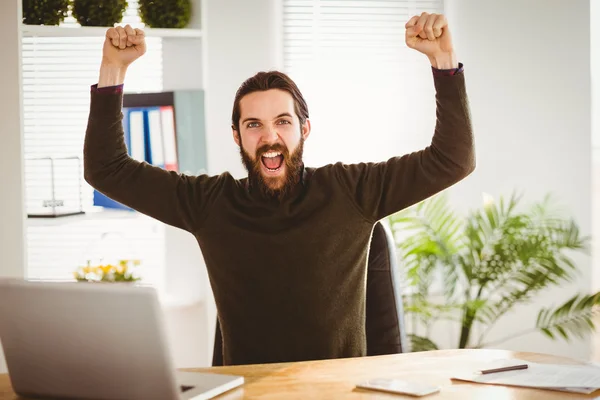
x,y
288,278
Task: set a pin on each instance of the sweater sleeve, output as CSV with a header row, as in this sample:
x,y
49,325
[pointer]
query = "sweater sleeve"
x,y
173,198
381,189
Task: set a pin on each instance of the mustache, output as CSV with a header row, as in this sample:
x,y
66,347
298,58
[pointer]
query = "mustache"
x,y
272,147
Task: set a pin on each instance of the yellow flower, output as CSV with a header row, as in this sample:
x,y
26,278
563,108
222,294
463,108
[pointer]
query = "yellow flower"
x,y
106,269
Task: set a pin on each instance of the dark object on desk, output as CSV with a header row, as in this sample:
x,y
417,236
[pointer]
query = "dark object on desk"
x,y
503,369
385,329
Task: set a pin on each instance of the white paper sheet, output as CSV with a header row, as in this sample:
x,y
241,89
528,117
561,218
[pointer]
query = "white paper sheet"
x,y
573,378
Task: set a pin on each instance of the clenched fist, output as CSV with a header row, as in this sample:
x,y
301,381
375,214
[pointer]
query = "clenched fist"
x,y
429,34
123,45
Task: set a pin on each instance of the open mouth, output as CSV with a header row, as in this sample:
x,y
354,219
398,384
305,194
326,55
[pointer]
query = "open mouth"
x,y
272,160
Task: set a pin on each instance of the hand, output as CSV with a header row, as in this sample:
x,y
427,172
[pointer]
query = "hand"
x,y
122,46
429,34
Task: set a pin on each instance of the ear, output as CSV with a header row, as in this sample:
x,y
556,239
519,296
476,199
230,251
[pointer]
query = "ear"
x,y
306,129
236,136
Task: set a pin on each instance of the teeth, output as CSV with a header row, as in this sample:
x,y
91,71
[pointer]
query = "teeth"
x,y
271,154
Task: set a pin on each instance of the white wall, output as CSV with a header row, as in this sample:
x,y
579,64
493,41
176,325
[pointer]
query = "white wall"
x,y
528,78
595,67
12,213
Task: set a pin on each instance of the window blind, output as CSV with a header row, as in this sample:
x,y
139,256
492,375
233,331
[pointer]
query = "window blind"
x,y
370,97
57,73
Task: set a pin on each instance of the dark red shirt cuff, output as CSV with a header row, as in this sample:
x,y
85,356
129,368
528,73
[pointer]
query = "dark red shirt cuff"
x,y
107,89
448,72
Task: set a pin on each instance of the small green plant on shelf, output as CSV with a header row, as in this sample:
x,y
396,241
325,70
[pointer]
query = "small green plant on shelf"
x,y
45,12
165,13
99,12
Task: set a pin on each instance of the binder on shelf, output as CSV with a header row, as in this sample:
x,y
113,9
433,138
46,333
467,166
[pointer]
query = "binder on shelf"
x,y
154,137
165,129
135,134
169,140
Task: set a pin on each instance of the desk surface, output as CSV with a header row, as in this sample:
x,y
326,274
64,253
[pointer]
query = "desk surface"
x,y
336,379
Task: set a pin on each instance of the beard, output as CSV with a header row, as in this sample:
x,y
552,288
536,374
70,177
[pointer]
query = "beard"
x,y
274,187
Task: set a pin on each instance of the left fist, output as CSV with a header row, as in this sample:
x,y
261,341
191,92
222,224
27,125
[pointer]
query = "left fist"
x,y
429,34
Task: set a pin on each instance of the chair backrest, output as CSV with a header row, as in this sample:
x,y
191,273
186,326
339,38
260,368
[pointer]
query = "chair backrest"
x,y
386,333
385,329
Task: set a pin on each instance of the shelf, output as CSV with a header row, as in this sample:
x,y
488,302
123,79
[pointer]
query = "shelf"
x,y
96,213
88,31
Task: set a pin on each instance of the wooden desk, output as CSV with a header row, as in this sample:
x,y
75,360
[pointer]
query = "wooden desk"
x,y
336,379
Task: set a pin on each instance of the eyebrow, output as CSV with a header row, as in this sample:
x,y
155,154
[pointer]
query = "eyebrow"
x,y
256,119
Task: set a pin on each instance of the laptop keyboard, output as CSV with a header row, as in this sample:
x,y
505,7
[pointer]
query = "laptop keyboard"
x,y
185,388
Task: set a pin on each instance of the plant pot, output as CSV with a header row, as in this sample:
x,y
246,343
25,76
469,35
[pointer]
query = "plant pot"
x,y
165,13
44,12
99,12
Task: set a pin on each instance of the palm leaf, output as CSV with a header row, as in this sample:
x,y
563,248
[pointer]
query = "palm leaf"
x,y
573,318
420,343
434,242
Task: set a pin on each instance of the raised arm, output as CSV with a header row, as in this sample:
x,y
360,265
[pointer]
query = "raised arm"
x,y
381,189
168,196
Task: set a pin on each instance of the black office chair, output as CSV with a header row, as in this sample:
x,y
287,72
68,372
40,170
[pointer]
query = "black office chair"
x,y
385,329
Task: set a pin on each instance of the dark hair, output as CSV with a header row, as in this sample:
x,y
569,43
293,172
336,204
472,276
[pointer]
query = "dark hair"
x,y
264,81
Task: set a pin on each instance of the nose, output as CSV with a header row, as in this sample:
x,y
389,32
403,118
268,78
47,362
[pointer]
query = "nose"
x,y
270,135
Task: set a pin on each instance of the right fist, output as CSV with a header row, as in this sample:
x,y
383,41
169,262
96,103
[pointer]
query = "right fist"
x,y
123,45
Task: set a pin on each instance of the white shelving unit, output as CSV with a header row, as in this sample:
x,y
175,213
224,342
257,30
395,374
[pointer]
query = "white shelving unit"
x,y
87,31
184,287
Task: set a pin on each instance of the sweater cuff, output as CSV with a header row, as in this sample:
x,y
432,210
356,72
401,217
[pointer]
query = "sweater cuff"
x,y
106,103
117,89
450,85
448,72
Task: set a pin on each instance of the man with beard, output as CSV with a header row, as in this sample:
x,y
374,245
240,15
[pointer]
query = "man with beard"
x,y
285,248
271,168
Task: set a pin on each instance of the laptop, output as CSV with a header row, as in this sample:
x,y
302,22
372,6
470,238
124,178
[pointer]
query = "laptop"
x,y
94,341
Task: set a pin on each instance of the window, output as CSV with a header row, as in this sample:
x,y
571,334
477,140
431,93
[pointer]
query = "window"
x,y
57,75
369,96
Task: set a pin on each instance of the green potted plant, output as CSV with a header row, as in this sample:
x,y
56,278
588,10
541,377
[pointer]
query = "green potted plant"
x,y
99,12
496,258
44,12
165,13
